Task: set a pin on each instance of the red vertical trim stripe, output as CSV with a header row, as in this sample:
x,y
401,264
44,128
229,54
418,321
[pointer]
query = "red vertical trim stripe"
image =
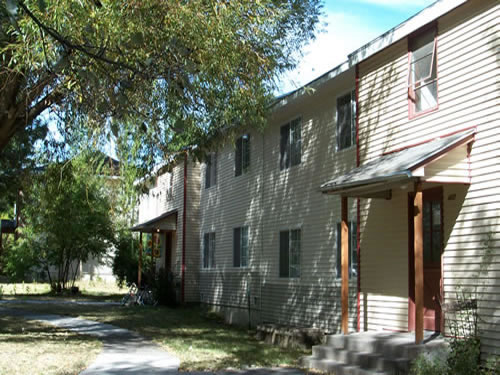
x,y
183,267
358,212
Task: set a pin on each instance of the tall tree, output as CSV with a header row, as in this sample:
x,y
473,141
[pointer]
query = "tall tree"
x,y
179,70
67,219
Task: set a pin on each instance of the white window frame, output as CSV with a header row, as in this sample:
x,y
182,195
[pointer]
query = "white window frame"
x,y
294,269
352,95
292,145
244,254
431,78
208,255
244,157
211,170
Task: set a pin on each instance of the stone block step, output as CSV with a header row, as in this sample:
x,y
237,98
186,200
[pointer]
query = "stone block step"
x,y
365,360
338,368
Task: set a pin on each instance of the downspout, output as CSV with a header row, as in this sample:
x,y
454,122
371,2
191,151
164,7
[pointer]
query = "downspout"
x,y
358,213
183,266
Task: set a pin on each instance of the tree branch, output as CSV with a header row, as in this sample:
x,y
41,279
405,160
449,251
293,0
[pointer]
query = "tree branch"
x,y
70,45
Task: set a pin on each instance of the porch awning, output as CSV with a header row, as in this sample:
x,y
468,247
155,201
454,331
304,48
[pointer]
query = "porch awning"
x,y
164,222
443,159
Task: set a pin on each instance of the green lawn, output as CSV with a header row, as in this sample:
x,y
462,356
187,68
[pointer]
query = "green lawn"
x,y
30,347
89,290
201,343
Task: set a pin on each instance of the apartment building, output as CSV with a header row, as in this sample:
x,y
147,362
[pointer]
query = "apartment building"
x,y
373,196
168,213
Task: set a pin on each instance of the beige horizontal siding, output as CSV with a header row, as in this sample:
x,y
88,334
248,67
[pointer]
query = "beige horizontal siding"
x,y
268,200
468,78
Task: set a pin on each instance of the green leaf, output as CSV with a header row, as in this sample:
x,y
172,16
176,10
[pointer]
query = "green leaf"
x,y
137,39
42,6
62,63
114,128
12,6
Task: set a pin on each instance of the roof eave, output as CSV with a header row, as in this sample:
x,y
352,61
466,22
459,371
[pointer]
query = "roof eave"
x,y
367,183
424,17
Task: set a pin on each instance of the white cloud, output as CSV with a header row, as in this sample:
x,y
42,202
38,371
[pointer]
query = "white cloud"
x,y
343,34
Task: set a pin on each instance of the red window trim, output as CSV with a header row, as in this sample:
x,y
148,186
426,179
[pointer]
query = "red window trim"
x,y
411,103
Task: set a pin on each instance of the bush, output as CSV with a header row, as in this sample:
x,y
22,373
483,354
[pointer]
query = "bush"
x,y
429,365
164,289
19,260
126,261
465,356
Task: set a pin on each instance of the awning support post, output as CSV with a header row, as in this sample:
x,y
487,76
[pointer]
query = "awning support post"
x,y
139,273
419,263
344,237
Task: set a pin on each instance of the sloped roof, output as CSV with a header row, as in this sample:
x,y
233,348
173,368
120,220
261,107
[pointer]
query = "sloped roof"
x,y
155,223
399,165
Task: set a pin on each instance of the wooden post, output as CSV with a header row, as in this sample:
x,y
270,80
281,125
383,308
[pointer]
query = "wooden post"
x,y
344,237
139,273
419,263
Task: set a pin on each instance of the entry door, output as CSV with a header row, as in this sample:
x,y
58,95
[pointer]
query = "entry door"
x,y
433,249
168,251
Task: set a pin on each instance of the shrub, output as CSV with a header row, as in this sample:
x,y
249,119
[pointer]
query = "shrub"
x,y
427,365
19,260
126,260
164,289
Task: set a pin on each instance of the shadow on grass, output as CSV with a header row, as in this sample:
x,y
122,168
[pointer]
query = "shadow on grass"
x,y
15,329
201,343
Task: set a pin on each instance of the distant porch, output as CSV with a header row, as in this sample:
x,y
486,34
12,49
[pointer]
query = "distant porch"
x,y
162,235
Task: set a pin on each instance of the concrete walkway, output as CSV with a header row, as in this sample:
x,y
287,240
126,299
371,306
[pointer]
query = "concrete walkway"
x,y
125,352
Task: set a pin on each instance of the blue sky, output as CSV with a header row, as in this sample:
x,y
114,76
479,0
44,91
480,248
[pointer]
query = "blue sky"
x,y
346,26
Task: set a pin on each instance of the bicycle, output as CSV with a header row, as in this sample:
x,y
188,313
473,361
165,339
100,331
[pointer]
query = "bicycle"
x,y
131,297
146,297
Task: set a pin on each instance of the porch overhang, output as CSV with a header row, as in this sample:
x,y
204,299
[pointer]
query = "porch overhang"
x,y
164,222
437,160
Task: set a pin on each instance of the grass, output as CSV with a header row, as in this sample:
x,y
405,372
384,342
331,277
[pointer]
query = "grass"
x,y
89,290
201,343
30,347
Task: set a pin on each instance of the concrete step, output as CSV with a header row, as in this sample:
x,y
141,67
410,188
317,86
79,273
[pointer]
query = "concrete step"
x,y
337,341
369,353
364,360
338,368
388,344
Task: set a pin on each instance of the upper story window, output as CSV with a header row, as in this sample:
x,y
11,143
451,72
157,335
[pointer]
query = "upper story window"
x,y
211,170
242,155
170,185
290,253
422,72
209,250
291,144
353,250
240,247
346,121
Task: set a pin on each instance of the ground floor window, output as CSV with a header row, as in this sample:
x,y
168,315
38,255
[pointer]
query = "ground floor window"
x,y
209,250
290,253
240,247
